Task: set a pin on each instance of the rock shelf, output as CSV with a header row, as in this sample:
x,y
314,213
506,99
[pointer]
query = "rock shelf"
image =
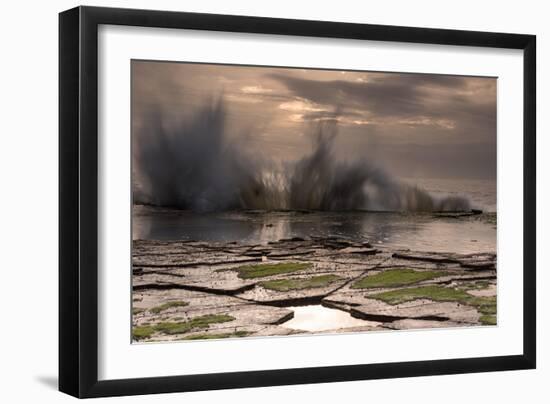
x,y
189,290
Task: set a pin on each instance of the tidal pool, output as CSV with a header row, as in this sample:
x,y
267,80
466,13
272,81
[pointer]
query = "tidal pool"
x,y
319,318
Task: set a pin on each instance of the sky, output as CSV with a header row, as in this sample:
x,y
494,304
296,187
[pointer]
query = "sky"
x,y
412,125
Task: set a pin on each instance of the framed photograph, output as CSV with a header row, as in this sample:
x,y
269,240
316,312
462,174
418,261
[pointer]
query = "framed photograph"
x,y
251,201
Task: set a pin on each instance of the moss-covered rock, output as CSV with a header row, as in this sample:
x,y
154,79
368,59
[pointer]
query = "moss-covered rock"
x,y
395,278
284,285
263,270
484,305
171,328
142,332
488,319
168,305
236,334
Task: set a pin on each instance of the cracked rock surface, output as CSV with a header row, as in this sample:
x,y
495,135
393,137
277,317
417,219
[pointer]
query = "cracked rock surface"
x,y
186,290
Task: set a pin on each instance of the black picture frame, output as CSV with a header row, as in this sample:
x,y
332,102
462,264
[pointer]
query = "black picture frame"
x,y
78,201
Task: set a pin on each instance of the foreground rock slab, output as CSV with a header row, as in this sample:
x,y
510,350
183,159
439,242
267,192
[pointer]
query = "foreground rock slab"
x,y
163,315
196,290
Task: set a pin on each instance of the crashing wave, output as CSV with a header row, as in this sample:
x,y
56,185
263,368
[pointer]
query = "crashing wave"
x,y
192,165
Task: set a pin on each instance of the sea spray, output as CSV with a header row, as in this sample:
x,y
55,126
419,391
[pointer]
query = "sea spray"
x,y
191,164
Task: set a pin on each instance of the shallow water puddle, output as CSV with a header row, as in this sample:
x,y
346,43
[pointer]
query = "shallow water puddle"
x,y
320,318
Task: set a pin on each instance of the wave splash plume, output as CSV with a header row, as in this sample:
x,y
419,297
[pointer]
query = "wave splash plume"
x,y
192,165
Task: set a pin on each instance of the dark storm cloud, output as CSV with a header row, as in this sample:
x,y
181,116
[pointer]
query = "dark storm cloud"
x,y
400,98
335,114
385,99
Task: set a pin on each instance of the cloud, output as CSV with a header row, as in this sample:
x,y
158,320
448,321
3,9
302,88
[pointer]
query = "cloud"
x,y
256,90
378,114
444,102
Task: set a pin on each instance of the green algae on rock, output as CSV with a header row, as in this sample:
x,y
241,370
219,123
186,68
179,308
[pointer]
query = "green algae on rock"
x,y
142,332
488,319
284,285
236,334
168,305
263,270
171,328
395,277
485,305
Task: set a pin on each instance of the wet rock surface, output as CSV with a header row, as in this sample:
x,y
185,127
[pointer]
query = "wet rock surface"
x,y
188,290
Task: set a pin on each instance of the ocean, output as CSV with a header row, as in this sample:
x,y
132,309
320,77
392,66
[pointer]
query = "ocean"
x,y
481,193
417,231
